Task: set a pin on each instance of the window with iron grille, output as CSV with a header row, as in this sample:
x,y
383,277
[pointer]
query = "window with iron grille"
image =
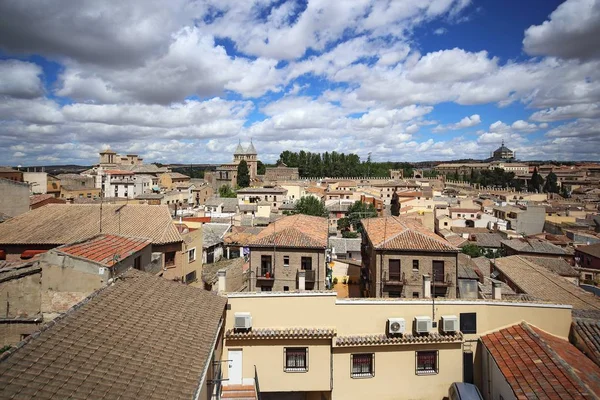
x,y
427,362
295,359
394,268
363,365
306,263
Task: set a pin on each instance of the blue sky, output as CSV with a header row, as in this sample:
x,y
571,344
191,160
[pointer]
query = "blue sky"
x,y
407,80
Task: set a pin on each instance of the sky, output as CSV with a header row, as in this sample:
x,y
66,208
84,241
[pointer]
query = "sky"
x,y
182,81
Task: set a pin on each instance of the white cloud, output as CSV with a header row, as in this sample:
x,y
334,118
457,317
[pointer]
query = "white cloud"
x,y
524,126
567,112
440,31
466,122
454,65
20,79
571,32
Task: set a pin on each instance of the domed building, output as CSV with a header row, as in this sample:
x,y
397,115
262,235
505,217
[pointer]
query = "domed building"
x,y
503,153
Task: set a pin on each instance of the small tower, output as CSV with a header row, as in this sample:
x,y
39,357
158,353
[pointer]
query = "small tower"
x,y
239,153
252,160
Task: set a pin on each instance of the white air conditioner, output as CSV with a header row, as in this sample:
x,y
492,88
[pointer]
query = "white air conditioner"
x,y
449,323
396,325
243,320
422,324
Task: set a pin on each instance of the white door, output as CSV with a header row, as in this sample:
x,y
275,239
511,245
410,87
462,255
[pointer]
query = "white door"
x,y
235,367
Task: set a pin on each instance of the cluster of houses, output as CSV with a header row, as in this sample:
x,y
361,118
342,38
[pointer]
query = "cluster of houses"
x,y
245,298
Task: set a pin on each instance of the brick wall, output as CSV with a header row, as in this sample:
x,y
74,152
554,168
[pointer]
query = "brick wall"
x,y
286,276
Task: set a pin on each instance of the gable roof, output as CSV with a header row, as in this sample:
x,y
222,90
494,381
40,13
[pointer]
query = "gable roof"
x,y
103,248
544,284
395,233
69,223
592,250
531,245
556,265
538,365
585,335
213,233
303,231
143,337
344,245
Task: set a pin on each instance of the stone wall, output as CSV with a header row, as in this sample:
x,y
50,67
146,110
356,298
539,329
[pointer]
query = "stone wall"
x,y
14,197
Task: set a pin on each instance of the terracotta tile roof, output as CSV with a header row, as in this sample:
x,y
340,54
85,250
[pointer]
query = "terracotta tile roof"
x,y
529,245
39,198
143,337
593,250
68,223
586,335
538,365
118,172
395,233
103,248
556,265
282,333
304,231
241,235
544,284
464,210
407,338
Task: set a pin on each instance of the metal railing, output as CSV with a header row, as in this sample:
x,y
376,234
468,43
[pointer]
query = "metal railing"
x,y
256,386
309,275
397,279
264,273
442,281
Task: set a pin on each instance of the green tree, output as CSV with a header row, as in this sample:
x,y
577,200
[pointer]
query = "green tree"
x,y
551,185
243,174
310,205
343,224
564,192
358,211
349,235
227,191
261,169
536,182
395,204
472,250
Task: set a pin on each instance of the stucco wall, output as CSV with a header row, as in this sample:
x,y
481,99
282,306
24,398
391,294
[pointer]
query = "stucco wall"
x,y
20,297
14,198
394,365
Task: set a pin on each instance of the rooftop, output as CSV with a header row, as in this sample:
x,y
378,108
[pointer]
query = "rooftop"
x,y
539,365
38,198
344,245
249,190
103,248
586,335
592,250
143,337
531,245
395,233
556,265
213,233
69,223
298,230
544,284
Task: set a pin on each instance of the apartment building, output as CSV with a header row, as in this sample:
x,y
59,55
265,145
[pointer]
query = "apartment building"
x,y
272,194
310,345
399,255
289,254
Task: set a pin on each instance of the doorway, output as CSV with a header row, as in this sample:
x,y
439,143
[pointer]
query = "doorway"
x,y
235,366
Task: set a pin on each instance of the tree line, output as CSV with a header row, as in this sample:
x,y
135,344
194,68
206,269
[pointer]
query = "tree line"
x,y
334,164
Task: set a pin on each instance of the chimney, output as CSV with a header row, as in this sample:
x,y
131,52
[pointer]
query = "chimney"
x,y
221,285
496,291
426,286
301,280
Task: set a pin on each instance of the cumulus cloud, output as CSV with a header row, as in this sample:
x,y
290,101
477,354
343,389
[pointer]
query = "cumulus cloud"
x,y
466,122
20,79
572,31
567,112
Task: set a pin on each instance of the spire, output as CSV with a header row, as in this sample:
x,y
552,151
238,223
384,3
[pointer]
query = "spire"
x,y
502,142
251,149
239,149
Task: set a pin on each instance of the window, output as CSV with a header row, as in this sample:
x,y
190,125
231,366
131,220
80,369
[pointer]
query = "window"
x,y
296,359
306,263
468,322
265,265
169,259
415,265
137,263
192,255
415,295
286,288
286,261
363,365
427,362
445,224
394,268
191,277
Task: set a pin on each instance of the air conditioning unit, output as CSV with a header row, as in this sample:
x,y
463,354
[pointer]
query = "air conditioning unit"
x,y
396,326
422,324
243,320
449,323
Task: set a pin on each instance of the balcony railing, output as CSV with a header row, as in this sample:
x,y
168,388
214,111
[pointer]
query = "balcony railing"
x,y
265,274
395,279
443,281
309,275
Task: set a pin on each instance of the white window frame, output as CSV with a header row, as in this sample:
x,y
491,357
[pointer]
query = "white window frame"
x,y
190,252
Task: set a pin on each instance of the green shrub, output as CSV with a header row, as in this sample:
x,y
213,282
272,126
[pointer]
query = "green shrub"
x,y
335,281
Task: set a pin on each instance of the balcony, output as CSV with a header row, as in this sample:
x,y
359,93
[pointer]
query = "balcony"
x,y
264,274
443,281
395,279
309,275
